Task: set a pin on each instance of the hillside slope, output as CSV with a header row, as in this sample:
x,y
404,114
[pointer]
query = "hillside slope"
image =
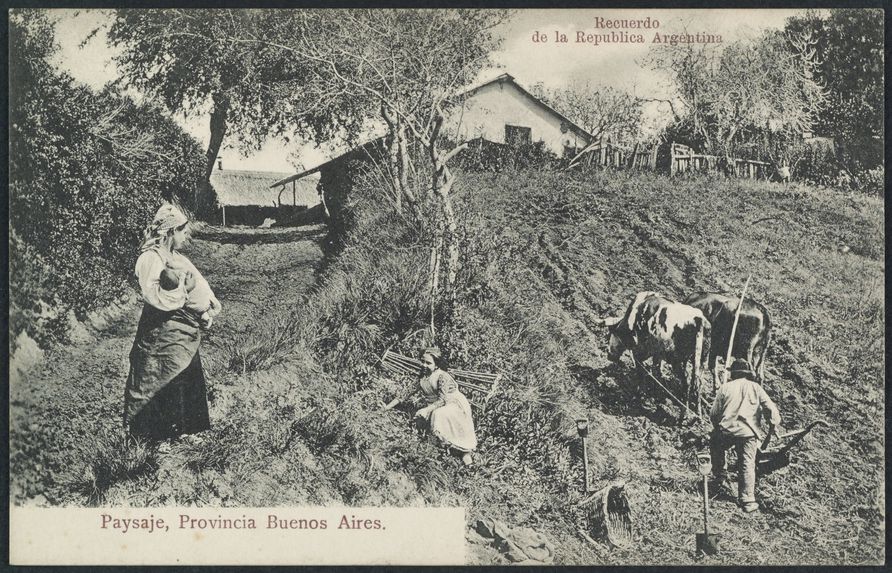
x,y
297,394
586,244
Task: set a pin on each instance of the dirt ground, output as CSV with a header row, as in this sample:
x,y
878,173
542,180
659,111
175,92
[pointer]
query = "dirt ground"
x,y
77,390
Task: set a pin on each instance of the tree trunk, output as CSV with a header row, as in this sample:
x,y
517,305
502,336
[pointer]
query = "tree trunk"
x,y
218,131
443,180
393,155
403,152
219,116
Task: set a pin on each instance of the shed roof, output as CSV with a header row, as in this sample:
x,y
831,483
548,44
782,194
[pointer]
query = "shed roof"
x,y
243,188
370,140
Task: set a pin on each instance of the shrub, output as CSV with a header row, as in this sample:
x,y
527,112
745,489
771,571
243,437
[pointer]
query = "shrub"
x,y
483,155
87,170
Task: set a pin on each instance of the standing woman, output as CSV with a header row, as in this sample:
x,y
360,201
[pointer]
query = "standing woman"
x,y
166,395
449,412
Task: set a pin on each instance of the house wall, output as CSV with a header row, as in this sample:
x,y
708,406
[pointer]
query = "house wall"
x,y
488,110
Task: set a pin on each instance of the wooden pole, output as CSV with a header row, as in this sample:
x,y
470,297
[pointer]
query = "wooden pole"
x,y
434,279
734,329
705,505
671,159
224,215
585,463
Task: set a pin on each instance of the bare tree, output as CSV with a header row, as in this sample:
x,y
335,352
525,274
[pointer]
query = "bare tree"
x,y
407,63
599,110
732,95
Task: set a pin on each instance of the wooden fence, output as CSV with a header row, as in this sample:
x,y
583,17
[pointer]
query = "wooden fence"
x,y
682,159
606,154
644,157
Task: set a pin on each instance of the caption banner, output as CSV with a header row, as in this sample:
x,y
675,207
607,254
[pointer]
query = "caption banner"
x,y
237,536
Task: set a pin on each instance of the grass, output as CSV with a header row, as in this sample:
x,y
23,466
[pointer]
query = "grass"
x,y
546,255
112,458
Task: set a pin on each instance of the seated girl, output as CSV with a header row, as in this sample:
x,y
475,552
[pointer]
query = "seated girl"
x,y
449,412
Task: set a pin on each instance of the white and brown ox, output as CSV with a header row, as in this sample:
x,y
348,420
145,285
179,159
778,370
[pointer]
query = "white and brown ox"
x,y
662,329
751,339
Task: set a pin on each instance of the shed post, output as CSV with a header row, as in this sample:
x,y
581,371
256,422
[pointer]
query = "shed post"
x,y
224,215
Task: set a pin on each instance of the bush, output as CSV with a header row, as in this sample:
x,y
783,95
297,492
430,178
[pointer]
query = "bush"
x,y
87,171
873,182
483,155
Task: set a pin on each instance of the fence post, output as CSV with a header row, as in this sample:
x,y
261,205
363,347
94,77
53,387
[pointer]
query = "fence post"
x,y
671,159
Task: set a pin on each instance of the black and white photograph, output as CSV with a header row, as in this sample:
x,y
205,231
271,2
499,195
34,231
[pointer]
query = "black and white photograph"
x,y
446,286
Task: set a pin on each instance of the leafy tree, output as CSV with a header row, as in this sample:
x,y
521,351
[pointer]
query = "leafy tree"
x,y
731,98
186,58
849,48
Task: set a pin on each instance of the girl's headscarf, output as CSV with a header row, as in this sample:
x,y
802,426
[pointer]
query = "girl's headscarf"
x,y
168,217
433,351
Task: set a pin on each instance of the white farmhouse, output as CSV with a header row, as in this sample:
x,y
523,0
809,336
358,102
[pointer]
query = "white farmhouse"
x,y
502,111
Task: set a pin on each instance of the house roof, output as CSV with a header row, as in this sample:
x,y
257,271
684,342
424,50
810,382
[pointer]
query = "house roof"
x,y
243,188
508,78
377,134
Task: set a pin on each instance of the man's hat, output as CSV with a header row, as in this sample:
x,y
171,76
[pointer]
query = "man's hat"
x,y
740,368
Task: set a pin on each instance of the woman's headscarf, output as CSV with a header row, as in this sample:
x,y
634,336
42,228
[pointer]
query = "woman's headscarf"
x,y
168,217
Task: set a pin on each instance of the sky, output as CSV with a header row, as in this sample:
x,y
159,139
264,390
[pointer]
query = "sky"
x,y
552,63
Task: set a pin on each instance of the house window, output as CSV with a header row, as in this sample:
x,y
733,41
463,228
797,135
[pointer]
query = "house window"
x,y
517,136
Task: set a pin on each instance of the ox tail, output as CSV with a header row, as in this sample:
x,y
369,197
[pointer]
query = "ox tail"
x,y
759,368
698,354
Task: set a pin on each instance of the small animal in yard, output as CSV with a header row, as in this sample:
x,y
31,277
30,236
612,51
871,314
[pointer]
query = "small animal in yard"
x,y
751,339
655,327
783,173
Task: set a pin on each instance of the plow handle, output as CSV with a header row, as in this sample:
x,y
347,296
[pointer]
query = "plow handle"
x,y
798,436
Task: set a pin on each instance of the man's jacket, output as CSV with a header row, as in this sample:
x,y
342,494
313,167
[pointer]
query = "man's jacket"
x,y
742,397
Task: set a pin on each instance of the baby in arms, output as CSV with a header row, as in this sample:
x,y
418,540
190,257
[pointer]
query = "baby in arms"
x,y
198,293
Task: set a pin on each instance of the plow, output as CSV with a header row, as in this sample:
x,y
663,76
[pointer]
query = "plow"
x,y
770,458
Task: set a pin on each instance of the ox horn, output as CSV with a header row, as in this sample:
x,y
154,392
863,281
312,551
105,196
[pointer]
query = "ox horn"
x,y
608,321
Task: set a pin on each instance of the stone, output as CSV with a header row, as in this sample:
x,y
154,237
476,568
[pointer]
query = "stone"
x,y
27,353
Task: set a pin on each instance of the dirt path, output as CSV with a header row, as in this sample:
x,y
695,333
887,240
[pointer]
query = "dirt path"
x,y
59,407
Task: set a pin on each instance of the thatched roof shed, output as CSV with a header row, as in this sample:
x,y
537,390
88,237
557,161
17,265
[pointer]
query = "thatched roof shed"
x,y
237,188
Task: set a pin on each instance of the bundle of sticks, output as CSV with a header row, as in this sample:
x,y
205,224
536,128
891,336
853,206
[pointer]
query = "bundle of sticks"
x,y
481,385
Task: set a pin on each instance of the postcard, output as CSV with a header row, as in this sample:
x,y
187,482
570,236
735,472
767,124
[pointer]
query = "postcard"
x,y
446,286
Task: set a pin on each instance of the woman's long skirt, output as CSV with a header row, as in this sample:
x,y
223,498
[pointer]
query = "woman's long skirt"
x,y
166,393
453,424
